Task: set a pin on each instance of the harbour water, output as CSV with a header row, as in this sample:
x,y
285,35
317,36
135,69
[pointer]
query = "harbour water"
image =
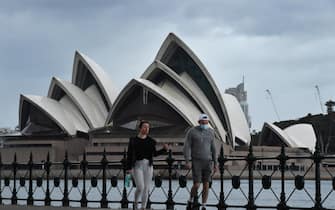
x,y
270,197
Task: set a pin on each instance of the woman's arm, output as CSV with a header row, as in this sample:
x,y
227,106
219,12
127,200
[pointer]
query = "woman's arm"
x,y
161,151
130,154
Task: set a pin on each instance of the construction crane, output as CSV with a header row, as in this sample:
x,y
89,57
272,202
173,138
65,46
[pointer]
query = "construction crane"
x,y
319,96
273,103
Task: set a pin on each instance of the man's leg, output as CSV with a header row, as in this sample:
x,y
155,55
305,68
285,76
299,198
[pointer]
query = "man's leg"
x,y
194,189
196,176
205,192
207,171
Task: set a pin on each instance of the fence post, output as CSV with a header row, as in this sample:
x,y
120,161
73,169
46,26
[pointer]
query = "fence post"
x,y
251,160
30,200
66,190
282,161
47,165
221,160
14,165
317,157
83,167
124,200
104,163
170,202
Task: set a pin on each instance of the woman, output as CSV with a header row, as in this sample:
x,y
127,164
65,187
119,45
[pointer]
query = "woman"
x,y
141,150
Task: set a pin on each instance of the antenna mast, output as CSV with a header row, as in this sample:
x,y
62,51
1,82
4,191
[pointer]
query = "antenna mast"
x,y
319,95
273,103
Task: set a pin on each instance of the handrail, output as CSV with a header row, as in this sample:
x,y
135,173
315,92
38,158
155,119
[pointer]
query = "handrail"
x,y
67,175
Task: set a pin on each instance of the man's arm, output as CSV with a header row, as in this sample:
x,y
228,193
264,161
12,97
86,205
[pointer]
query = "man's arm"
x,y
187,147
213,150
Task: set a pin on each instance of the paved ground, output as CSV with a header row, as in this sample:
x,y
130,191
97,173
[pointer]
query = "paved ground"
x,y
47,208
10,207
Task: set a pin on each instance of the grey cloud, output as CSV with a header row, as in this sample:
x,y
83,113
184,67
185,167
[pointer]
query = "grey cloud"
x,y
285,46
265,18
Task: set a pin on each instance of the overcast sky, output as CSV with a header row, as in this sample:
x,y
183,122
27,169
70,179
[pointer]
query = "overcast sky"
x,y
287,47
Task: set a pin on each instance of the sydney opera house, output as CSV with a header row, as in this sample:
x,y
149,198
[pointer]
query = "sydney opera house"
x,y
88,115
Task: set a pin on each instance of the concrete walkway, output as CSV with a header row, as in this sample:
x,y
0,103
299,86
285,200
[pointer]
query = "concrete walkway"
x,y
18,207
10,207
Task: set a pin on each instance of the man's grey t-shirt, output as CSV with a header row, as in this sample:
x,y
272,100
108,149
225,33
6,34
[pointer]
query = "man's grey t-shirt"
x,y
199,144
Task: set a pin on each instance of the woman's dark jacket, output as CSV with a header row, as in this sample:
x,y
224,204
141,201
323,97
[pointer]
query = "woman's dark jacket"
x,y
131,154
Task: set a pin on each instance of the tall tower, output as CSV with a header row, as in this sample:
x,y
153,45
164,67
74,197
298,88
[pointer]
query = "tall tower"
x,y
241,96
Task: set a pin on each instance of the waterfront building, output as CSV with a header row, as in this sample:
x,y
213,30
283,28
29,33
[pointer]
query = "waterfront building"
x,y
323,126
88,116
171,94
6,132
2,139
241,95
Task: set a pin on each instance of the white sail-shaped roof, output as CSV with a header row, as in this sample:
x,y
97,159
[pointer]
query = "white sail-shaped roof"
x,y
86,73
70,107
191,92
303,135
180,58
295,136
177,83
89,109
283,136
54,110
186,111
238,122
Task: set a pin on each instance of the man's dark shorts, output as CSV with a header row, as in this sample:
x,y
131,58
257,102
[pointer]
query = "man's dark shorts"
x,y
201,170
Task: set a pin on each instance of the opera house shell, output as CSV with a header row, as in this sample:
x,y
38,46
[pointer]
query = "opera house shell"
x,y
87,114
300,135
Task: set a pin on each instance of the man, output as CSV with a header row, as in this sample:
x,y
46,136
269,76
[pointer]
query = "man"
x,y
200,147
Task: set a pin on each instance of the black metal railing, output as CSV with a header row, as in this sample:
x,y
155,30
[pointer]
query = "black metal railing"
x,y
105,176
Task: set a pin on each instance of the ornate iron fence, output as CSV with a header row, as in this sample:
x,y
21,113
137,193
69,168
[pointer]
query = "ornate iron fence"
x,y
105,177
